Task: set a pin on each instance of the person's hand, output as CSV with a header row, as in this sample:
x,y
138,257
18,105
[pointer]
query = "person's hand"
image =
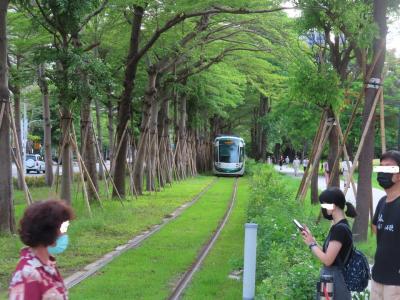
x,y
307,236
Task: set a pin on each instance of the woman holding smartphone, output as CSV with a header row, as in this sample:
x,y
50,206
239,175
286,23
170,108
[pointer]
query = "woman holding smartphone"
x,y
339,242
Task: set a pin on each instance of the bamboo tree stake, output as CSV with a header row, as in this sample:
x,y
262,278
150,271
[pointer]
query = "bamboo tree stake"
x,y
316,140
74,144
18,159
364,134
353,114
3,105
132,185
346,155
61,151
325,134
382,118
86,197
109,175
119,147
101,161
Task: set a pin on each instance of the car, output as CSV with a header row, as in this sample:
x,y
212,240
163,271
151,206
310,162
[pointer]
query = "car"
x,y
34,162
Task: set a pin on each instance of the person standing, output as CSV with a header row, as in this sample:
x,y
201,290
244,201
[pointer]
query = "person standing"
x,y
287,160
296,165
281,160
305,163
325,166
346,166
43,229
386,226
339,242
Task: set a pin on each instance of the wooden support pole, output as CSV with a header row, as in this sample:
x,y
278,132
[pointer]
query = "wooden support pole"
x,y
354,112
324,138
18,159
346,155
364,134
382,119
85,193
115,154
314,147
108,173
82,164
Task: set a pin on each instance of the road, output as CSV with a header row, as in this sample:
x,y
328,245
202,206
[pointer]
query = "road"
x,y
376,193
75,168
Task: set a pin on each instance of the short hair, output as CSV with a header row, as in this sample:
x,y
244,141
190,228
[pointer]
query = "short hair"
x,y
41,222
393,155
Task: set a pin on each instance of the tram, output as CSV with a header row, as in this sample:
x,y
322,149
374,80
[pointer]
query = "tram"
x,y
229,156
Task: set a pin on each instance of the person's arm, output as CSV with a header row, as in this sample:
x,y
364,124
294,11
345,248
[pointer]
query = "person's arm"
x,y
328,257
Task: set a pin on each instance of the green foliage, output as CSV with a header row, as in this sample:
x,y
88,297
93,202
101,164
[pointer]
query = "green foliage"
x,y
317,84
280,248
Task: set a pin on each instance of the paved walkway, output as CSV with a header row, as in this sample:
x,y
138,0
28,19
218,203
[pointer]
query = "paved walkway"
x,y
376,193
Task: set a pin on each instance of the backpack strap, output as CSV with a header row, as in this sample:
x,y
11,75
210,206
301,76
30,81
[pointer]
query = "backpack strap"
x,y
352,248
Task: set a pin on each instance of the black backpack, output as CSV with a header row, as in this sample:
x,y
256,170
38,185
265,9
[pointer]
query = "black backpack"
x,y
356,270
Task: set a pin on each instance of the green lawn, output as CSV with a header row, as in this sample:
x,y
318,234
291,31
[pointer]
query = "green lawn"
x,y
91,238
212,281
150,271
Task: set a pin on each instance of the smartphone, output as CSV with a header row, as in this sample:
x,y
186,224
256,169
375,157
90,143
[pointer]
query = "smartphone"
x,y
298,225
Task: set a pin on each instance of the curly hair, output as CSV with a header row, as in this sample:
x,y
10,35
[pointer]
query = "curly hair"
x,y
41,222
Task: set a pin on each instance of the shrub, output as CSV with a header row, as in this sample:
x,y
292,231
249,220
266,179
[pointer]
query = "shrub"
x,y
286,268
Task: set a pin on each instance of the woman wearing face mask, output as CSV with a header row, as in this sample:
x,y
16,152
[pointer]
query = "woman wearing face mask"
x,y
338,243
43,229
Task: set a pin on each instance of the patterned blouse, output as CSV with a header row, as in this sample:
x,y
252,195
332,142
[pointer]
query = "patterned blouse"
x,y
34,280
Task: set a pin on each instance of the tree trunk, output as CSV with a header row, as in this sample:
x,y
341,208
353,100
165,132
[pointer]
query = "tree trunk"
x,y
152,166
333,151
88,146
7,219
99,139
49,177
145,138
66,157
17,116
125,105
110,129
364,192
314,185
181,160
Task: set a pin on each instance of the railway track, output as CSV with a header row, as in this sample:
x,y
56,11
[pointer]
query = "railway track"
x,y
185,280
94,267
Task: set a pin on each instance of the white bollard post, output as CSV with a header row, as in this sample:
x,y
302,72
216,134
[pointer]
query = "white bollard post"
x,y
250,252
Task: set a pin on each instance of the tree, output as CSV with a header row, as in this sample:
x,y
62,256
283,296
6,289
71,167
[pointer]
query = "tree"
x,y
7,219
364,193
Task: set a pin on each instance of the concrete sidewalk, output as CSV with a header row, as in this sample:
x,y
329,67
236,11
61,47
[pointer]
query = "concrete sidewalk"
x,y
377,194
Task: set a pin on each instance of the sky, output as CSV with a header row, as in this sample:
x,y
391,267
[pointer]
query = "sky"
x,y
393,37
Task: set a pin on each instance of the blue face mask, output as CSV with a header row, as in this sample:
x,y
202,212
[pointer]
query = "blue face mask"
x,y
61,245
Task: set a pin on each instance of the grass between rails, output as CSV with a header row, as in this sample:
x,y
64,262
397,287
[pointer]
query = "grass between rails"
x,y
150,271
212,281
113,226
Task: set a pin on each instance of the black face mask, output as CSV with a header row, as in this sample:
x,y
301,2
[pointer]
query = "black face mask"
x,y
325,214
385,180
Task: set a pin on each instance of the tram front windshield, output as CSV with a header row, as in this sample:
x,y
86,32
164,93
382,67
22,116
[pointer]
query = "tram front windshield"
x,y
228,151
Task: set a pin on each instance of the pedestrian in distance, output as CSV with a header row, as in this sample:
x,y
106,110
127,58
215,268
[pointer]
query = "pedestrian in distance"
x,y
43,230
339,241
325,166
305,163
386,225
296,165
281,160
346,166
287,160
